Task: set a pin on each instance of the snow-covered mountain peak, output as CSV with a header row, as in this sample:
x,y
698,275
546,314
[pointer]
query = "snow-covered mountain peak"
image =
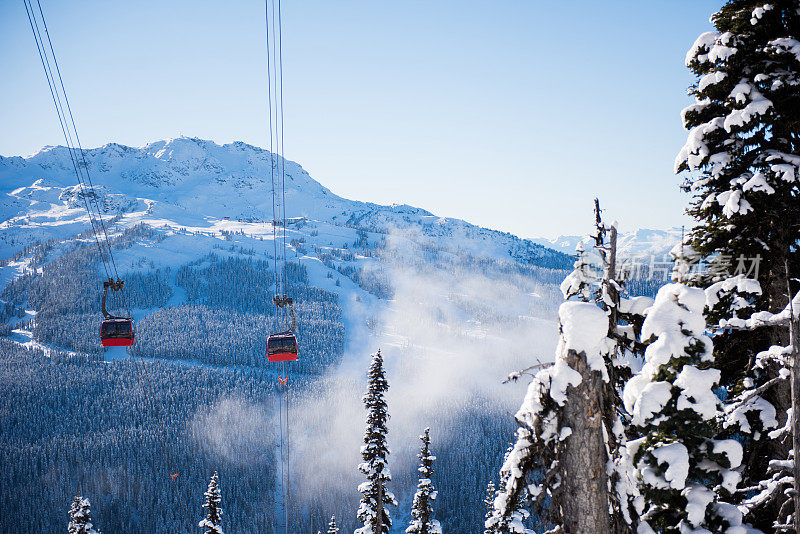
x,y
190,182
232,180
181,151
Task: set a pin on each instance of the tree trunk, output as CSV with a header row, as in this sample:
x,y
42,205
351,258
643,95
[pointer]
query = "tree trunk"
x,y
609,281
379,512
583,454
795,344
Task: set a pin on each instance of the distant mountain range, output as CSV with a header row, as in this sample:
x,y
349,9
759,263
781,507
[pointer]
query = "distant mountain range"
x,y
639,244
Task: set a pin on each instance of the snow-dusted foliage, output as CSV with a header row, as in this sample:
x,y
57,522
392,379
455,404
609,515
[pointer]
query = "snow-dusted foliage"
x,y
742,145
685,475
742,155
742,131
80,517
731,300
778,487
422,519
541,431
212,523
488,502
582,281
769,498
332,527
599,350
375,496
507,511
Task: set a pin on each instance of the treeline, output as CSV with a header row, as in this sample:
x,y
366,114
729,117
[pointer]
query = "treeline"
x,y
227,321
66,294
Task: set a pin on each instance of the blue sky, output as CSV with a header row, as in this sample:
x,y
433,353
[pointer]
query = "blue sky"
x,y
511,114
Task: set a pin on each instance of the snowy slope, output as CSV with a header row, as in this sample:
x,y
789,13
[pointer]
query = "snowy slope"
x,y
192,182
388,264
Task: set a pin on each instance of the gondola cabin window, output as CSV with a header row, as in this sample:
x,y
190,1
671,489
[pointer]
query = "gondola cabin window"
x,y
282,348
117,333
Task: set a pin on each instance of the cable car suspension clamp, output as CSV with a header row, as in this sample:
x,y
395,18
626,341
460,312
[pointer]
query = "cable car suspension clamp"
x,y
284,301
114,286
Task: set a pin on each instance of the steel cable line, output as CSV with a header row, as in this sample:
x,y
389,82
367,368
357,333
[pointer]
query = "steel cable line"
x,y
87,193
109,265
285,281
61,119
76,146
279,125
281,147
273,140
277,176
80,150
272,159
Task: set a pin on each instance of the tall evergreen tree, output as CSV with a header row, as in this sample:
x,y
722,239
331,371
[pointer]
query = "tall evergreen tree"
x,y
332,528
488,502
574,470
743,161
422,520
80,517
212,524
375,496
685,475
744,142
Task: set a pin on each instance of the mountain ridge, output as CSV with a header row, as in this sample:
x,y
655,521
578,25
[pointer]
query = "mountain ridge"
x,y
206,180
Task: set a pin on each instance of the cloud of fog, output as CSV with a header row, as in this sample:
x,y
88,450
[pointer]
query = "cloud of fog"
x,y
454,330
235,430
452,333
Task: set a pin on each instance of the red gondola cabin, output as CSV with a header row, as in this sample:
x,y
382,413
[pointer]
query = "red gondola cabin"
x,y
117,332
282,348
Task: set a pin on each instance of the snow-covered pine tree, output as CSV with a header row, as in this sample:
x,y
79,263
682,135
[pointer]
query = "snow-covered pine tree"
x,y
332,528
581,283
743,154
769,502
422,520
212,524
559,442
508,512
560,458
686,477
488,502
375,496
744,140
80,517
623,355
